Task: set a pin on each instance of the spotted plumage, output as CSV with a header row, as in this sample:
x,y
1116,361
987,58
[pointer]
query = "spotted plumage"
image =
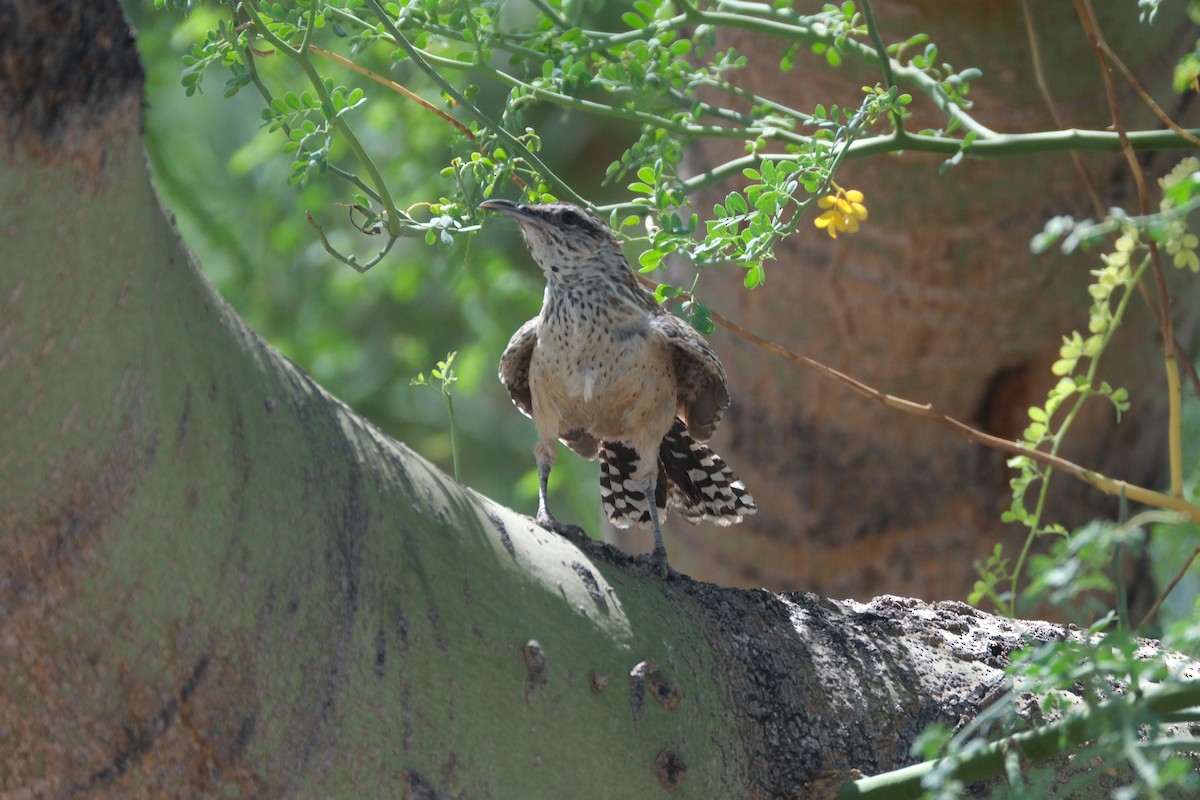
x,y
607,371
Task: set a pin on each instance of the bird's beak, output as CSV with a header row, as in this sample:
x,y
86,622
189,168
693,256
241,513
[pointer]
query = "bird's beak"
x,y
510,209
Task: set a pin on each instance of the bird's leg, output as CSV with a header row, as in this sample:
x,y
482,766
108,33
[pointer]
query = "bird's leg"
x,y
544,517
658,558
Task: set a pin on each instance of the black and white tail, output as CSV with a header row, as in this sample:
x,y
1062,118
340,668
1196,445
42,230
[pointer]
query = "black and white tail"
x,y
692,479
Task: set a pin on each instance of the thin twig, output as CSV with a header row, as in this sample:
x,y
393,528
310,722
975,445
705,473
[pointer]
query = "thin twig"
x,y
351,260
1158,601
1175,454
1163,117
395,87
885,61
511,141
1097,204
395,227
1039,75
1174,397
1095,479
1099,481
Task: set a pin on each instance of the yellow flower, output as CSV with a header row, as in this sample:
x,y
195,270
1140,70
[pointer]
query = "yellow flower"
x,y
844,210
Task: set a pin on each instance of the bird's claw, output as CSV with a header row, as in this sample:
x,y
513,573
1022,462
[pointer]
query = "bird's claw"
x,y
546,520
657,560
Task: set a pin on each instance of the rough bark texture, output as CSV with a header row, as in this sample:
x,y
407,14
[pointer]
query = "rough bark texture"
x,y
937,299
216,581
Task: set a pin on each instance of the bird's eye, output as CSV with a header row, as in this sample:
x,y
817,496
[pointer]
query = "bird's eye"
x,y
571,218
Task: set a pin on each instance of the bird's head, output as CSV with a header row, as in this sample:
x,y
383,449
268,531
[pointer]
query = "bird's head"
x,y
565,240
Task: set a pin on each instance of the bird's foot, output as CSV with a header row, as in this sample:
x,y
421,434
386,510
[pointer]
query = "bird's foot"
x,y
657,561
545,519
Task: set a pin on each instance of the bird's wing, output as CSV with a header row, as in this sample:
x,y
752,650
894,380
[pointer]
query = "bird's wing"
x,y
514,374
701,392
514,366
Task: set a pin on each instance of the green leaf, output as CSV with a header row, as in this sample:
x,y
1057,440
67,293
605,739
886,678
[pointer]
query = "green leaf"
x,y
754,277
700,317
1064,366
680,48
665,291
650,260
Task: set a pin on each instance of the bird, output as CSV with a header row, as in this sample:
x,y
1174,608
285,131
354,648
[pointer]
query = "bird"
x,y
610,373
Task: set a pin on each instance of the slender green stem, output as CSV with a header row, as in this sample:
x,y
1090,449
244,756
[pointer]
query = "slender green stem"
x,y
1081,396
310,23
603,40
1036,745
1020,144
1174,418
446,32
680,99
989,144
759,100
1179,575
476,44
453,430
1003,145
763,18
1158,218
395,228
885,61
252,67
646,118
624,113
1181,744
351,260
1117,566
550,14
511,142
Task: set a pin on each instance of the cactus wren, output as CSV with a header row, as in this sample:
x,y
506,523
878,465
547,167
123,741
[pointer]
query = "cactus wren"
x,y
609,372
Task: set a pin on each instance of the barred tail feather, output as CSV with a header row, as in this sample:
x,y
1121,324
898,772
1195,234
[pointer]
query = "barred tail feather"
x,y
700,485
692,479
623,498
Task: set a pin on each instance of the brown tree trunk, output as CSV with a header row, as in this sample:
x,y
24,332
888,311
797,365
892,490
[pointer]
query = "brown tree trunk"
x,y
937,299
